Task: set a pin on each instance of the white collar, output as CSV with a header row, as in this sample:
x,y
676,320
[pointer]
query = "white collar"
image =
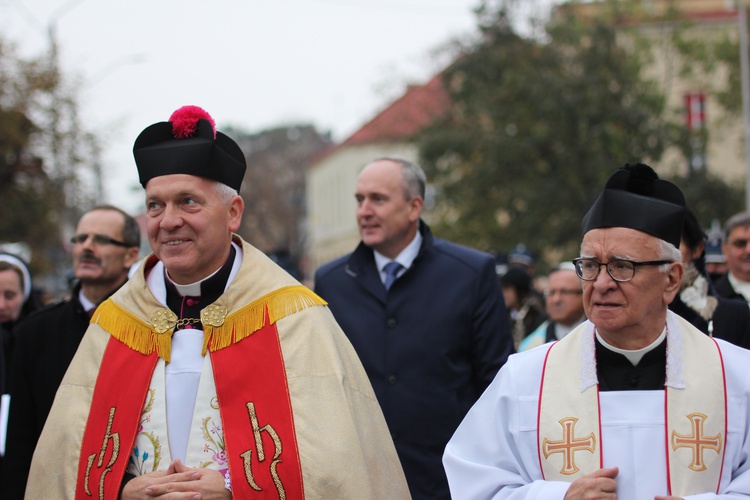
x,y
86,303
155,278
634,356
741,287
405,258
674,376
191,289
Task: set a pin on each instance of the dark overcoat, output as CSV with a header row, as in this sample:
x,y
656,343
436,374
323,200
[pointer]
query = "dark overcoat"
x,y
730,321
45,344
725,289
430,345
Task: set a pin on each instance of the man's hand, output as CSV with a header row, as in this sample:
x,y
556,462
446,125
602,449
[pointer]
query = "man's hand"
x,y
597,485
178,482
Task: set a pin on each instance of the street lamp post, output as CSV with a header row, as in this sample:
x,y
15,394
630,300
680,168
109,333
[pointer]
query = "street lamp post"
x,y
745,79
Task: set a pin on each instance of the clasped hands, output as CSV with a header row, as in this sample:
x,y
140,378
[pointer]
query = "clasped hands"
x,y
599,485
178,482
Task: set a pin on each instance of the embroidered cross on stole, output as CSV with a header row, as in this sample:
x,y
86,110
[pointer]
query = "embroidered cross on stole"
x,y
569,423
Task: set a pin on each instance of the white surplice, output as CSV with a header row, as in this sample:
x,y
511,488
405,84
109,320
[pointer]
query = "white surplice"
x,y
494,452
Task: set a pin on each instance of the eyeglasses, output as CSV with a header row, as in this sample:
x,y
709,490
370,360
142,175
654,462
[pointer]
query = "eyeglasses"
x,y
740,243
98,239
619,270
562,291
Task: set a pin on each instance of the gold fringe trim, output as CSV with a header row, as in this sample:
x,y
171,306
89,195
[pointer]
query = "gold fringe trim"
x,y
251,318
140,336
130,330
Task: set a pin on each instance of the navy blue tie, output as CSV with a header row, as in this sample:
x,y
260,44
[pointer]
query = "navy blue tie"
x,y
391,271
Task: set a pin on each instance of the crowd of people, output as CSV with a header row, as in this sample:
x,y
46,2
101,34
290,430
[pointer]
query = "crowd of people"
x,y
415,368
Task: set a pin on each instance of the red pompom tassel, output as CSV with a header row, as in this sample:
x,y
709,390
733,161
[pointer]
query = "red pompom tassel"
x,y
185,121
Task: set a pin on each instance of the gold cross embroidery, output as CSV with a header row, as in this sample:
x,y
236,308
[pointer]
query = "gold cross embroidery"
x,y
697,442
568,445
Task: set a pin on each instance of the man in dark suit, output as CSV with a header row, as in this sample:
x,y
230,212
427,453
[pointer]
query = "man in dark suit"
x,y
431,334
105,246
735,284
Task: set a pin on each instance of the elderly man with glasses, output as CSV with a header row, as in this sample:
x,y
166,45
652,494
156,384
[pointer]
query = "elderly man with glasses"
x,y
633,404
105,246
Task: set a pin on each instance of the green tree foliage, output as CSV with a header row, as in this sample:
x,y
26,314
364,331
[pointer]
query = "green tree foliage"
x,y
710,198
538,125
43,152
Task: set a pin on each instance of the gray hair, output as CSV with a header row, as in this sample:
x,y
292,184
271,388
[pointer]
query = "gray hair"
x,y
131,231
668,251
225,192
737,220
413,176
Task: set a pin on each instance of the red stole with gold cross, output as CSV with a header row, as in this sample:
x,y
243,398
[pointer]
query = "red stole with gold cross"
x,y
569,423
256,412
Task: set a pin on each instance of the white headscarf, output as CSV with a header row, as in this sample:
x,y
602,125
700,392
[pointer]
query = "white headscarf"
x,y
16,262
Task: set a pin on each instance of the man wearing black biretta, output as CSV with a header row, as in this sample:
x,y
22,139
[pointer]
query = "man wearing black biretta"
x,y
633,404
212,373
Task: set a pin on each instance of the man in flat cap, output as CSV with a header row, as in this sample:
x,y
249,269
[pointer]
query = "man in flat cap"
x,y
634,404
212,373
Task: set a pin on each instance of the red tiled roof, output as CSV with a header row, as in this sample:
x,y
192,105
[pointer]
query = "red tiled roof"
x,y
406,116
697,11
712,15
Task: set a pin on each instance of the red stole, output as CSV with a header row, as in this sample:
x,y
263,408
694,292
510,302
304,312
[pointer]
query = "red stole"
x,y
256,415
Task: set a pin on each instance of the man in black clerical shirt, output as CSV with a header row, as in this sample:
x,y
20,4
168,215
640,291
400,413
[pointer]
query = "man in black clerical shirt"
x,y
635,403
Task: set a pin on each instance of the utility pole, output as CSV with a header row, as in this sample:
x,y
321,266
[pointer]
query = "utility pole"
x,y
745,74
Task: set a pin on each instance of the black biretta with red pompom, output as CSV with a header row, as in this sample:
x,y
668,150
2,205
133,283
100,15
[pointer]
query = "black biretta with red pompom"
x,y
635,197
189,144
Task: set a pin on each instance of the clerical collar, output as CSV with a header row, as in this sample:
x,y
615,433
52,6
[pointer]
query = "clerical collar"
x,y
191,289
186,301
634,356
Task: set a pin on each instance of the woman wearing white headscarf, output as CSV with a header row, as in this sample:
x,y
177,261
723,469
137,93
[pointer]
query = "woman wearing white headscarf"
x,y
16,302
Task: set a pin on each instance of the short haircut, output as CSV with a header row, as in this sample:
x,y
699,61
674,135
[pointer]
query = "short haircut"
x,y
414,177
563,266
226,193
668,251
737,220
131,231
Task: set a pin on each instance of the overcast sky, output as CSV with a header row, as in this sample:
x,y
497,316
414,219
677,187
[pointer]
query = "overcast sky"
x,y
252,64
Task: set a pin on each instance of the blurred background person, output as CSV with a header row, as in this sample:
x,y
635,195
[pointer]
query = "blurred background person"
x,y
105,245
563,305
432,334
522,257
16,302
525,308
736,283
698,302
716,263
